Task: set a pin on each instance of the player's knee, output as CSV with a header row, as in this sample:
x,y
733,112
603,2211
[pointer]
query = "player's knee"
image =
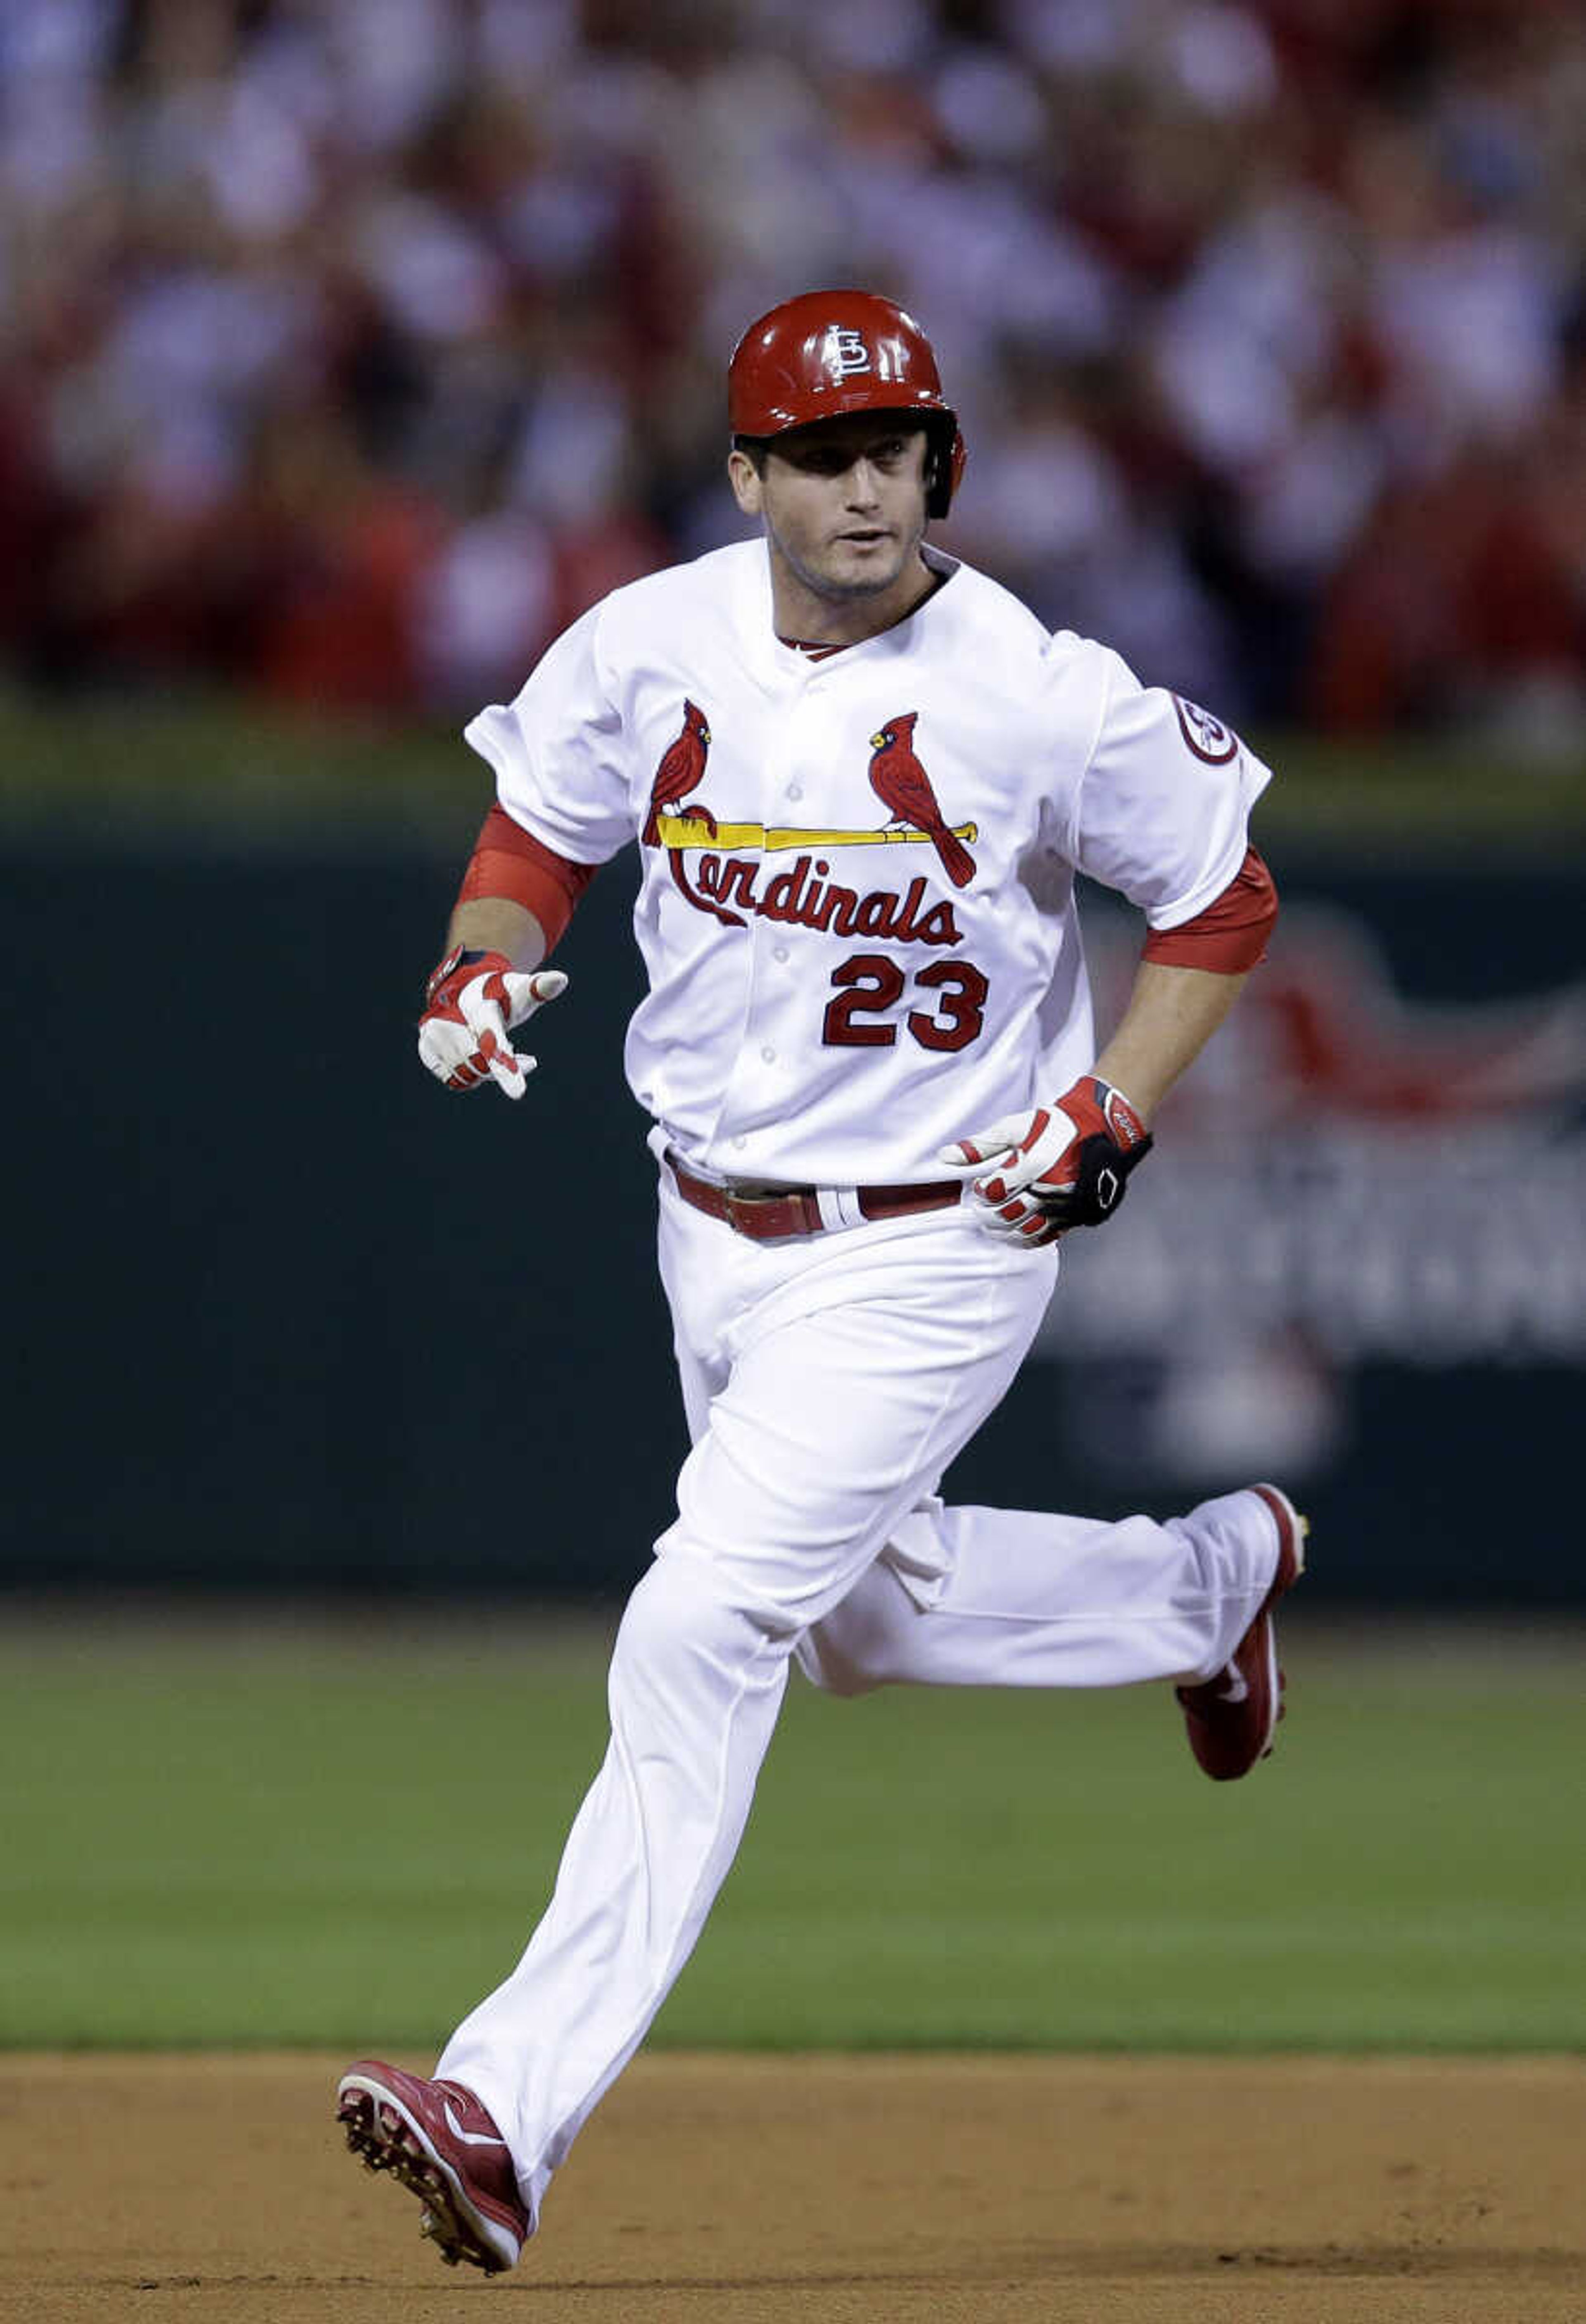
x,y
668,1603
683,1606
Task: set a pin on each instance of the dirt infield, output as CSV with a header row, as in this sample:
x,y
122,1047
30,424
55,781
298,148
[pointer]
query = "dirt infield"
x,y
749,2189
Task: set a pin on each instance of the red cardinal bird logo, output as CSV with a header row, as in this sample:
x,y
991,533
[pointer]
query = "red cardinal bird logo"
x,y
681,770
904,787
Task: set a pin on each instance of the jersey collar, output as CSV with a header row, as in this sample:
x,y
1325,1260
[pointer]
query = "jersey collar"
x,y
773,658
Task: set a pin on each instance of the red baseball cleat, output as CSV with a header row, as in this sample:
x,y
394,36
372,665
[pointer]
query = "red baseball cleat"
x,y
436,2140
1232,1716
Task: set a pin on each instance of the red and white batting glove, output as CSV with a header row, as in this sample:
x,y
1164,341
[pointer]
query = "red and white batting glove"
x,y
471,1004
1064,1165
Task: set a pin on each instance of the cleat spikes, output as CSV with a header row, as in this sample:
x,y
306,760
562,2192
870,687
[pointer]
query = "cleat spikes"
x,y
460,2169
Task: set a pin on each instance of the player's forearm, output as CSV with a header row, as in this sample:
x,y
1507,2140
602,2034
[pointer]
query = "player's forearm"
x,y
1172,1014
499,924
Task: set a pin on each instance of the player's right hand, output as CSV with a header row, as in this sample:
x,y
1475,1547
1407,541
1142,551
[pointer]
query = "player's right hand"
x,y
471,1004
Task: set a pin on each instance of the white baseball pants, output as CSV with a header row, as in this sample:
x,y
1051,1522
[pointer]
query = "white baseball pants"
x,y
828,1384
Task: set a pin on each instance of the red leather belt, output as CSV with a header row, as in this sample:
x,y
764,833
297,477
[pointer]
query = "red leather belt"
x,y
783,1212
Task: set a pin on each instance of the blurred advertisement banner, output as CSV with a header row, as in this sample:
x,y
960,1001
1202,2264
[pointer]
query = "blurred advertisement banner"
x,y
1350,1177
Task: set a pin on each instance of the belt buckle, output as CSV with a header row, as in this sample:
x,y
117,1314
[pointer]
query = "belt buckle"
x,y
745,1213
735,1205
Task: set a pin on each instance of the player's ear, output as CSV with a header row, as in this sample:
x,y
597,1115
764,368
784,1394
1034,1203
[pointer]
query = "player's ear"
x,y
745,480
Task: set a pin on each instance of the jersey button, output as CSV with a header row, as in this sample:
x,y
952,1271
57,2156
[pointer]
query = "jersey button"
x,y
778,952
795,790
769,1054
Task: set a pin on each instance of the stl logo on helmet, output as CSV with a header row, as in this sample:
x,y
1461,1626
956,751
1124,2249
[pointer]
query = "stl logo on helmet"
x,y
849,353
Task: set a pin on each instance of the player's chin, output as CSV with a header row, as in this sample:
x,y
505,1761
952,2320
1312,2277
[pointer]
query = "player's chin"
x,y
864,564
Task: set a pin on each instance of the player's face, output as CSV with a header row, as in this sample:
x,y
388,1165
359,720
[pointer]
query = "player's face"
x,y
843,504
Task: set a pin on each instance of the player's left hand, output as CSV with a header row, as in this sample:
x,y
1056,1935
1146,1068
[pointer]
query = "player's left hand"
x,y
1065,1164
471,1004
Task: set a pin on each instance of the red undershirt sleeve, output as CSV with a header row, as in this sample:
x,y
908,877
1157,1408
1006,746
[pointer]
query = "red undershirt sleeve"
x,y
507,860
1230,935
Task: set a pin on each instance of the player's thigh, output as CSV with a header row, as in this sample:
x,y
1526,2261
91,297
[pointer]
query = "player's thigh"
x,y
833,1425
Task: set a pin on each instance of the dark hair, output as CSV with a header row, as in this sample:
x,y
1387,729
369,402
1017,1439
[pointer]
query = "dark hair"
x,y
939,441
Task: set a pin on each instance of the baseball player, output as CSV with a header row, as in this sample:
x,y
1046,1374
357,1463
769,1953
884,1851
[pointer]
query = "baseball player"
x,y
861,779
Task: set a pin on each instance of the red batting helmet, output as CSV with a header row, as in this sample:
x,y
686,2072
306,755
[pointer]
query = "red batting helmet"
x,y
830,352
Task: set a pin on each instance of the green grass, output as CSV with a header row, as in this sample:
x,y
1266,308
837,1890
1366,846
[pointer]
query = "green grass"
x,y
274,1832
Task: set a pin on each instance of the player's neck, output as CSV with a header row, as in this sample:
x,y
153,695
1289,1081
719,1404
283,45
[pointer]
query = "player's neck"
x,y
804,614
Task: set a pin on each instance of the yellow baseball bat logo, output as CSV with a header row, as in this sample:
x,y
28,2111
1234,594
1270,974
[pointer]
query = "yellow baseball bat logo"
x,y
688,833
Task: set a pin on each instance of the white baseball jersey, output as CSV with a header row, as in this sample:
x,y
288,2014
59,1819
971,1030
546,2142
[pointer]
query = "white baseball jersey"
x,y
856,904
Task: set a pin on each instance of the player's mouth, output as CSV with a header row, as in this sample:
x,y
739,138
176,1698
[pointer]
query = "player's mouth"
x,y
866,536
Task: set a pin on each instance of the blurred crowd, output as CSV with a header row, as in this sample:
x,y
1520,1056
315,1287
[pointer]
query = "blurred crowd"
x,y
348,348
